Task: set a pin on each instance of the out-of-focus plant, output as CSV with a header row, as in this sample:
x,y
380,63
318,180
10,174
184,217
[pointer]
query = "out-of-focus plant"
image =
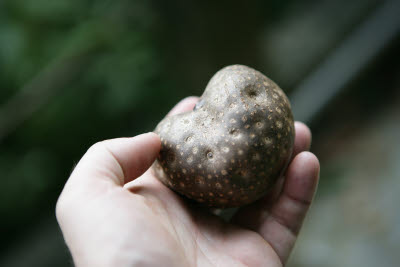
x,y
72,73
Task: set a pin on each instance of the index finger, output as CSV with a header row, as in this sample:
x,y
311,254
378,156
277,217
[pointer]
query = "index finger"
x,y
184,105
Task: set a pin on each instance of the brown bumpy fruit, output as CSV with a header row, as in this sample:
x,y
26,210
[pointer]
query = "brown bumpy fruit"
x,y
230,150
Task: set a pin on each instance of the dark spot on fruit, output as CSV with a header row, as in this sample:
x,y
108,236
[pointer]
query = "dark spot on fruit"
x,y
251,91
209,154
199,180
234,132
170,156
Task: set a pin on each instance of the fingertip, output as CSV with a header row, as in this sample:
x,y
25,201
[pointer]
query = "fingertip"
x,y
302,176
305,163
185,104
190,99
310,161
132,155
303,127
154,139
303,138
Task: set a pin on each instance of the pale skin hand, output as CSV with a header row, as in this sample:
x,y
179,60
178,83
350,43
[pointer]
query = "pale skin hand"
x,y
111,214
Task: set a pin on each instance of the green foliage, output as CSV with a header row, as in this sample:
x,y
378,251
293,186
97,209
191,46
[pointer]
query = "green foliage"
x,y
72,73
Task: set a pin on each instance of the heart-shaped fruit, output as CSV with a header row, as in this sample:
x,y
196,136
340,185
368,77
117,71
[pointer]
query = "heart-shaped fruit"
x,y
230,150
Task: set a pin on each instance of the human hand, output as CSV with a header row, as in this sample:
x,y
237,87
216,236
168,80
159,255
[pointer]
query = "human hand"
x,y
114,212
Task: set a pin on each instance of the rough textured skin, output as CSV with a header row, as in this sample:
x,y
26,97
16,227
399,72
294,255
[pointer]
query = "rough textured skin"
x,y
230,150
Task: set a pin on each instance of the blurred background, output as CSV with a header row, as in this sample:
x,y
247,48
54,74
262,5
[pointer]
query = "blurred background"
x,y
74,72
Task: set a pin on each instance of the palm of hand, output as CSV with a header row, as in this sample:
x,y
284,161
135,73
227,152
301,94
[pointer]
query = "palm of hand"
x,y
202,238
109,220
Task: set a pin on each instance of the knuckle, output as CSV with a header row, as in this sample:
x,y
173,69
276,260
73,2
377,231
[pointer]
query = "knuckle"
x,y
64,205
97,146
60,208
64,208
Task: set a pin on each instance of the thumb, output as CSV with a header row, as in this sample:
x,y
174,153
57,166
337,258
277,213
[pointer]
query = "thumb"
x,y
118,160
